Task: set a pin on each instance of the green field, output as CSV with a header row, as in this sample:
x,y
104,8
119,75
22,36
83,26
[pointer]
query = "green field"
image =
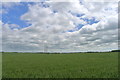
x,y
79,65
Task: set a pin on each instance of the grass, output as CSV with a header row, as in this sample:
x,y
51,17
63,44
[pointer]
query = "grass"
x,y
79,65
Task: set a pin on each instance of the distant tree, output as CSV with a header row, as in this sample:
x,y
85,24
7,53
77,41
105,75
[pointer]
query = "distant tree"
x,y
115,51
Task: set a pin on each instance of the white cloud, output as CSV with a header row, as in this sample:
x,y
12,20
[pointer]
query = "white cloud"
x,y
52,29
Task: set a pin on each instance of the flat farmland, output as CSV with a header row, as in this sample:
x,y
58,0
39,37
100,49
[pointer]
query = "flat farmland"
x,y
77,65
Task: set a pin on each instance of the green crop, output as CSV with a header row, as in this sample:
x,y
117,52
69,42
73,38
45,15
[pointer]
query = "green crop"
x,y
79,65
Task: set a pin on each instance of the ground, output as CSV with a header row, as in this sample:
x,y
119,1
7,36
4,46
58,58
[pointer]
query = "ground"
x,y
78,65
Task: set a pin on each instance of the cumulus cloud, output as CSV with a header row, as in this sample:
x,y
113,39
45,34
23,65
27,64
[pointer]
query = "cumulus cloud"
x,y
53,28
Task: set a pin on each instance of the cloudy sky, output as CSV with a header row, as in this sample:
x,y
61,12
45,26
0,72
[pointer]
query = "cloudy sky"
x,y
59,26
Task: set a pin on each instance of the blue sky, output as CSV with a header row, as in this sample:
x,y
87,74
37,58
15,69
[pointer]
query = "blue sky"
x,y
14,13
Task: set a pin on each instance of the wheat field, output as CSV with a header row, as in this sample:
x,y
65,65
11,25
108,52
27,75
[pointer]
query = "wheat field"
x,y
78,65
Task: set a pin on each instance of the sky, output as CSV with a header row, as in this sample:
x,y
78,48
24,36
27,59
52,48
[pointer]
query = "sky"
x,y
59,26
